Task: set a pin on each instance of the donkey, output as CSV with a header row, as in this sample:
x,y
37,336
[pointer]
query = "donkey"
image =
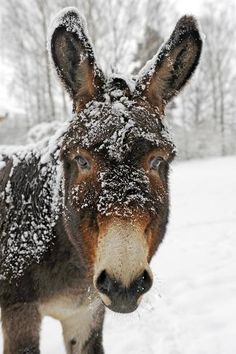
x,y
81,215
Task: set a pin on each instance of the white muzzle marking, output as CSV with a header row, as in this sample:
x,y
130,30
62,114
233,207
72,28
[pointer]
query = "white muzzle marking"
x,y
122,252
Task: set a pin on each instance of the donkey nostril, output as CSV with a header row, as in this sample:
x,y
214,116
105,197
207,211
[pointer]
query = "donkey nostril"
x,y
143,283
103,282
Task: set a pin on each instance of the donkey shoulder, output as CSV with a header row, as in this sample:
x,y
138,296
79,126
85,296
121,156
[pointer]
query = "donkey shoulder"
x,y
29,207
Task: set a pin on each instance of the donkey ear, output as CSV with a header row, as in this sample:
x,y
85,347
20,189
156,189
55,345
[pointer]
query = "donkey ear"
x,y
73,56
169,70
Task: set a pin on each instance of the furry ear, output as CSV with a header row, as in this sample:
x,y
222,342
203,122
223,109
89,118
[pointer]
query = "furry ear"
x,y
169,70
73,56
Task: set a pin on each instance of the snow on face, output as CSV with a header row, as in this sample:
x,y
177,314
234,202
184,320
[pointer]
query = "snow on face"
x,y
113,130
124,189
114,126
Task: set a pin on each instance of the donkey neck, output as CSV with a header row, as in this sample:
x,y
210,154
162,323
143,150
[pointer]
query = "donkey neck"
x,y
31,200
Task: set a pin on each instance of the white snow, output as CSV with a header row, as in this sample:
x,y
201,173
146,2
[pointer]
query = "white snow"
x,y
119,118
74,23
42,130
191,308
24,225
130,80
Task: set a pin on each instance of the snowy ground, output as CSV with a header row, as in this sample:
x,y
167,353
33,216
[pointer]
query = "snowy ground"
x,y
192,307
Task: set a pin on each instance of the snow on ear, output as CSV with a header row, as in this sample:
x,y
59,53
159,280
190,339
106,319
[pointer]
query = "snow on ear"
x,y
73,56
169,70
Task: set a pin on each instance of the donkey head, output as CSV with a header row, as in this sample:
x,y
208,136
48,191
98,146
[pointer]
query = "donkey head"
x,y
116,155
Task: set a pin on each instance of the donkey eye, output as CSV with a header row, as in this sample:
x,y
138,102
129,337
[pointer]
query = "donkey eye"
x,y
82,162
156,162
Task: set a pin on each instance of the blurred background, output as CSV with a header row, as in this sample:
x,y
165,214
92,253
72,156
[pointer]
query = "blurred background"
x,y
125,35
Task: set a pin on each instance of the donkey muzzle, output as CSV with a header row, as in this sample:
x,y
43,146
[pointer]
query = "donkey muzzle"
x,y
120,298
122,273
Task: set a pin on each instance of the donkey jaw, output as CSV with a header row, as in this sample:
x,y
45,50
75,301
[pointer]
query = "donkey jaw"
x,y
122,273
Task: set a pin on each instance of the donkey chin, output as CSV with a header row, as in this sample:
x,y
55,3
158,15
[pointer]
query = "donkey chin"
x,y
122,273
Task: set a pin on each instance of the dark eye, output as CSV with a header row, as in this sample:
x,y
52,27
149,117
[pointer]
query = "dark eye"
x,y
156,162
82,162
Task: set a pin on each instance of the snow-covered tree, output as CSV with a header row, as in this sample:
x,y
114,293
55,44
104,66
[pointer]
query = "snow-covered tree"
x,y
205,114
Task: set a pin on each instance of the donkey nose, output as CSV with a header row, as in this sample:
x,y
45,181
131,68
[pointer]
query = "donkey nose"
x,y
143,283
105,284
122,298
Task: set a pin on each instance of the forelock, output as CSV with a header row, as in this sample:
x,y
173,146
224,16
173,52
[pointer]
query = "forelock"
x,y
114,126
